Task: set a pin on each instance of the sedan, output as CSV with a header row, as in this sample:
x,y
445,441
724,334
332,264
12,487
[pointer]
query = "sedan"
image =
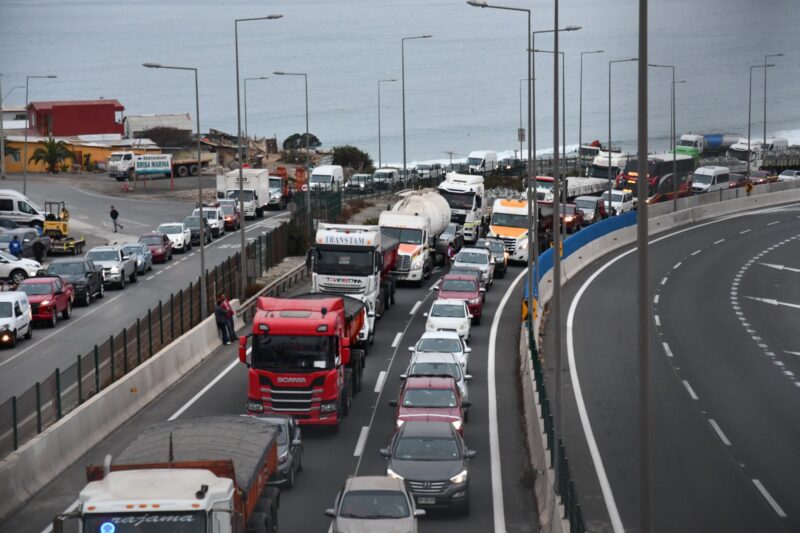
x,y
15,269
160,246
290,449
373,503
430,399
463,287
179,234
85,277
789,175
479,259
499,253
449,315
439,364
141,253
49,297
443,342
431,459
593,207
193,223
571,218
230,214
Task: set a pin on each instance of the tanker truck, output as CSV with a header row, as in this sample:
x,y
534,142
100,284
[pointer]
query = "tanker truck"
x,y
415,222
697,145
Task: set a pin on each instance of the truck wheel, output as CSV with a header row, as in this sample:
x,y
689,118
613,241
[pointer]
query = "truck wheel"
x,y
393,288
183,171
133,276
259,212
131,172
257,523
194,170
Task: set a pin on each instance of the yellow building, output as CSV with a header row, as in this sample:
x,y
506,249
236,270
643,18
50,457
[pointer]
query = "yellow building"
x,y
87,152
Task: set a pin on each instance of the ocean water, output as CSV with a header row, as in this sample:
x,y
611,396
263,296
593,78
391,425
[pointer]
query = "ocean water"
x,y
462,85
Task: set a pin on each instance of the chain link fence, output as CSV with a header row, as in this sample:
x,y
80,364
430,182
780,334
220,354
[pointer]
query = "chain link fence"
x,y
24,416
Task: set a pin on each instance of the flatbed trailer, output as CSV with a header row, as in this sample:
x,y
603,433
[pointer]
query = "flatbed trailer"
x,y
68,246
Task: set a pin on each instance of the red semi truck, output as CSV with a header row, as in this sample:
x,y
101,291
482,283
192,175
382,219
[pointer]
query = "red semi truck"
x,y
303,361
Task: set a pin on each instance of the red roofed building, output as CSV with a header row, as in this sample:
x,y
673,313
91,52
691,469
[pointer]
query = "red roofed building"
x,y
77,117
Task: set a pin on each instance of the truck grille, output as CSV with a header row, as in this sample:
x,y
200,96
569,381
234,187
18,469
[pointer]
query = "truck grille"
x,y
427,487
343,289
511,245
291,398
403,263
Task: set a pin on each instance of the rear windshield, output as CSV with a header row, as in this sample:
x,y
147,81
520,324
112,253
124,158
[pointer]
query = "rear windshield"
x,y
459,285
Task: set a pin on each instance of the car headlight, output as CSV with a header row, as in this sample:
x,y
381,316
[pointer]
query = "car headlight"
x,y
459,478
416,262
457,425
139,260
475,300
394,475
523,244
328,407
45,303
282,457
114,270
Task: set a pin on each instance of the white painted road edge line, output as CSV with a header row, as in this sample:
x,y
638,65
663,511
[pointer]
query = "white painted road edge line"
x,y
380,380
205,389
698,251
498,509
770,500
690,390
719,241
416,307
720,434
666,349
397,338
773,223
362,440
744,231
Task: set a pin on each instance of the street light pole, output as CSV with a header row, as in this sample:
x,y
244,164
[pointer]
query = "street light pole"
x,y
403,82
246,136
765,92
750,112
203,296
27,126
610,175
379,117
580,105
242,258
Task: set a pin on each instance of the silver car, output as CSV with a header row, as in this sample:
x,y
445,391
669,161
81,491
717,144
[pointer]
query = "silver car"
x,y
479,259
290,449
373,503
141,254
438,364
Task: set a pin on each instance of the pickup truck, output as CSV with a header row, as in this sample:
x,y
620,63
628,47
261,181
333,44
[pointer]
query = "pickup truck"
x,y
117,266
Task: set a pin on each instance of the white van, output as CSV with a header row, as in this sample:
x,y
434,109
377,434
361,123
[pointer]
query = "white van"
x,y
326,177
482,162
15,317
17,207
385,178
709,179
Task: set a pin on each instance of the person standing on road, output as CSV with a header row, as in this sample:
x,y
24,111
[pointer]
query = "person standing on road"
x,y
15,247
229,314
451,254
114,216
222,320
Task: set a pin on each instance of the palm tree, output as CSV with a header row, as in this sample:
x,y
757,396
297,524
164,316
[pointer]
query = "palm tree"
x,y
53,153
10,152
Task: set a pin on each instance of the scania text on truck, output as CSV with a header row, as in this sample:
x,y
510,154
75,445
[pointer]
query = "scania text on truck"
x,y
659,177
415,222
260,190
510,223
464,194
357,261
206,475
303,361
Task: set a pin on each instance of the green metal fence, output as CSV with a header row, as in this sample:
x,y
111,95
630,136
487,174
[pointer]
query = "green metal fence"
x,y
24,416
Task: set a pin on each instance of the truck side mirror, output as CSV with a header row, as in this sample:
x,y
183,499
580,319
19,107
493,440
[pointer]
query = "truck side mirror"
x,y
243,351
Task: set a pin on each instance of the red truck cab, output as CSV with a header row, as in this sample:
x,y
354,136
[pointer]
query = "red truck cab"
x,y
302,363
49,296
463,287
430,399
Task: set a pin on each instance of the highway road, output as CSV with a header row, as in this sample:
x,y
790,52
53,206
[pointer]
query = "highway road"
x,y
33,360
725,385
218,385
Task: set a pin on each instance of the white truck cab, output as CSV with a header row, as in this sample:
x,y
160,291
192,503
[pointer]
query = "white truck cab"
x,y
326,177
465,196
510,224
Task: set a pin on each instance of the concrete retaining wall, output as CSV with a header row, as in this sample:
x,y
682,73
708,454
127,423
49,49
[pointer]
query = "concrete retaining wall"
x,y
550,509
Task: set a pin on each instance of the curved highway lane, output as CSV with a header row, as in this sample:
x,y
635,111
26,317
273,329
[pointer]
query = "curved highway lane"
x,y
725,389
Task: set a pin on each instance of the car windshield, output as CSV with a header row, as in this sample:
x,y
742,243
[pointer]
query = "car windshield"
x,y
702,179
616,197
458,200
439,345
436,369
145,522
459,285
5,309
228,210
493,246
60,269
132,249
448,311
429,398
115,157
332,261
293,353
321,178
170,229
545,185
585,204
426,449
374,504
151,240
597,171
103,255
403,235
8,257
275,183
192,222
509,220
472,258
247,196
35,288
451,229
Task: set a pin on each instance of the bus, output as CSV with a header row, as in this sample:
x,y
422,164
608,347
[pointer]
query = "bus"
x,y
659,177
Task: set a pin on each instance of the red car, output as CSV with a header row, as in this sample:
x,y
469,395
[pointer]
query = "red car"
x,y
48,296
160,246
572,218
231,213
463,287
430,399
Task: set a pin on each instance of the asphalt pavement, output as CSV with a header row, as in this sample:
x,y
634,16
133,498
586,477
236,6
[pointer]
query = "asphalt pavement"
x,y
725,390
219,385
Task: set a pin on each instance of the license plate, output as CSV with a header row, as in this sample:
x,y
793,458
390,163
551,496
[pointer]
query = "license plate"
x,y
426,500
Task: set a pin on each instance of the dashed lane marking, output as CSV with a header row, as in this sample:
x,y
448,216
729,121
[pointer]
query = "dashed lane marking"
x,y
667,349
380,381
416,307
362,440
696,252
664,281
773,223
148,278
690,390
397,338
658,320
719,432
770,500
744,231
719,241
656,298
677,265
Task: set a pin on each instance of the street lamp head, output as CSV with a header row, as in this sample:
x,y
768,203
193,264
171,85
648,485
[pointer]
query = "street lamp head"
x,y
425,36
51,76
478,3
151,65
572,28
279,73
273,17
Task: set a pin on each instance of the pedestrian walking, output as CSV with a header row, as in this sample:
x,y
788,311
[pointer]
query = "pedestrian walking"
x,y
229,314
222,321
15,247
114,216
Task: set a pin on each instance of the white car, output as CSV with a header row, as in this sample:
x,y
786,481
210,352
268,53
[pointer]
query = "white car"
x,y
15,317
479,259
449,315
621,201
215,218
179,233
789,175
433,364
15,269
437,342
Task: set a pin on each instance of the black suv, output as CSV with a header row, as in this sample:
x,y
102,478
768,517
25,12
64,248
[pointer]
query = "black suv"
x,y
86,278
431,458
193,223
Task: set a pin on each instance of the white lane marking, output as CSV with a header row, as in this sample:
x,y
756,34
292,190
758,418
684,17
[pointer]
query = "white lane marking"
x,y
667,349
498,509
792,353
362,440
656,298
771,301
59,330
744,231
720,434
148,278
770,500
773,223
664,281
416,307
169,267
658,321
205,389
780,267
677,265
690,390
158,273
696,252
397,338
719,241
380,380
